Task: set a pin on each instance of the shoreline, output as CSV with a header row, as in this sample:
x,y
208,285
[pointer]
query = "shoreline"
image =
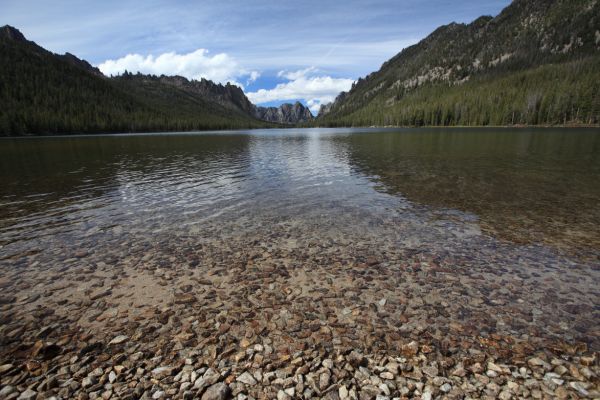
x,y
75,134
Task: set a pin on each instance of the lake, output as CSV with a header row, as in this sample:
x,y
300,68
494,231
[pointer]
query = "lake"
x,y
279,245
527,186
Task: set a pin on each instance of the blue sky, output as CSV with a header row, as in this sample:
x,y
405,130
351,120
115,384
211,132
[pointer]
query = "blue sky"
x,y
279,51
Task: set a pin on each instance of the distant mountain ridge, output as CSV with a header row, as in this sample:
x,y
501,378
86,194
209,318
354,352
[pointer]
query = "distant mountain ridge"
x,y
286,113
491,71
233,97
47,93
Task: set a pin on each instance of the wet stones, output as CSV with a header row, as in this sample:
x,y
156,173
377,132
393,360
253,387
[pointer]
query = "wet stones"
x,y
118,340
100,294
185,298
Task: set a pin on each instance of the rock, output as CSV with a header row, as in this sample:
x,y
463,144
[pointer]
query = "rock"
x,y
6,367
580,388
410,350
286,113
89,381
281,395
324,379
184,298
538,362
246,378
430,371
161,372
119,339
357,360
100,294
218,391
386,375
343,392
159,394
6,390
209,378
27,395
446,387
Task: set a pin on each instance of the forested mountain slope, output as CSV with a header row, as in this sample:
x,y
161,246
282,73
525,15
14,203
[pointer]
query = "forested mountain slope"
x,y
45,93
537,62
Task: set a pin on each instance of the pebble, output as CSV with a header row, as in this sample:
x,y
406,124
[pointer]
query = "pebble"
x,y
218,391
247,379
119,339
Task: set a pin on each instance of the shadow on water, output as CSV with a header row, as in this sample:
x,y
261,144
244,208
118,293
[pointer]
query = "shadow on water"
x,y
525,185
49,180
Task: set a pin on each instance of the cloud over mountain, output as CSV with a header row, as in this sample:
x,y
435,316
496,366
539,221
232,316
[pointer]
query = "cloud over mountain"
x,y
305,84
198,64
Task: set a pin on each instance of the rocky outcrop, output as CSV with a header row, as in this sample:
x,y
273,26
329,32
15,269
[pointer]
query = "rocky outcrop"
x,y
12,33
79,63
326,108
228,95
284,114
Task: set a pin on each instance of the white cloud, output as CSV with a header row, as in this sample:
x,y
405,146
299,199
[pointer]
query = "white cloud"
x,y
303,84
195,65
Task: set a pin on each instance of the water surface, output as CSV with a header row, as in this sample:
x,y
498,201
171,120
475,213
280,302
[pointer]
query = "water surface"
x,y
468,234
527,186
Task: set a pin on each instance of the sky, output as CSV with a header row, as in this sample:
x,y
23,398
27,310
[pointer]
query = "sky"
x,y
277,51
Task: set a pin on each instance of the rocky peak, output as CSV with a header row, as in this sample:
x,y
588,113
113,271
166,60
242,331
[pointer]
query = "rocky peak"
x,y
229,96
79,63
12,33
286,113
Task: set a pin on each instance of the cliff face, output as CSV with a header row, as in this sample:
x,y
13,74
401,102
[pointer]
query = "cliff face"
x,y
284,114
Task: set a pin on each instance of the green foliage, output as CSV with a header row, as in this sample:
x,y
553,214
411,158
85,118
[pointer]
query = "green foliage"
x,y
41,93
567,93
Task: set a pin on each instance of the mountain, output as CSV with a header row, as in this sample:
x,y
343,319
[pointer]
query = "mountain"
x,y
284,114
233,98
537,62
46,93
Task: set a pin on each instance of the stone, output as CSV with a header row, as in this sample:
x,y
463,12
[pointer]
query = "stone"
x,y
281,395
446,387
161,372
538,362
5,367
185,298
100,294
119,339
247,379
217,391
410,350
357,360
6,390
89,381
386,375
430,371
343,392
209,378
324,379
27,395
